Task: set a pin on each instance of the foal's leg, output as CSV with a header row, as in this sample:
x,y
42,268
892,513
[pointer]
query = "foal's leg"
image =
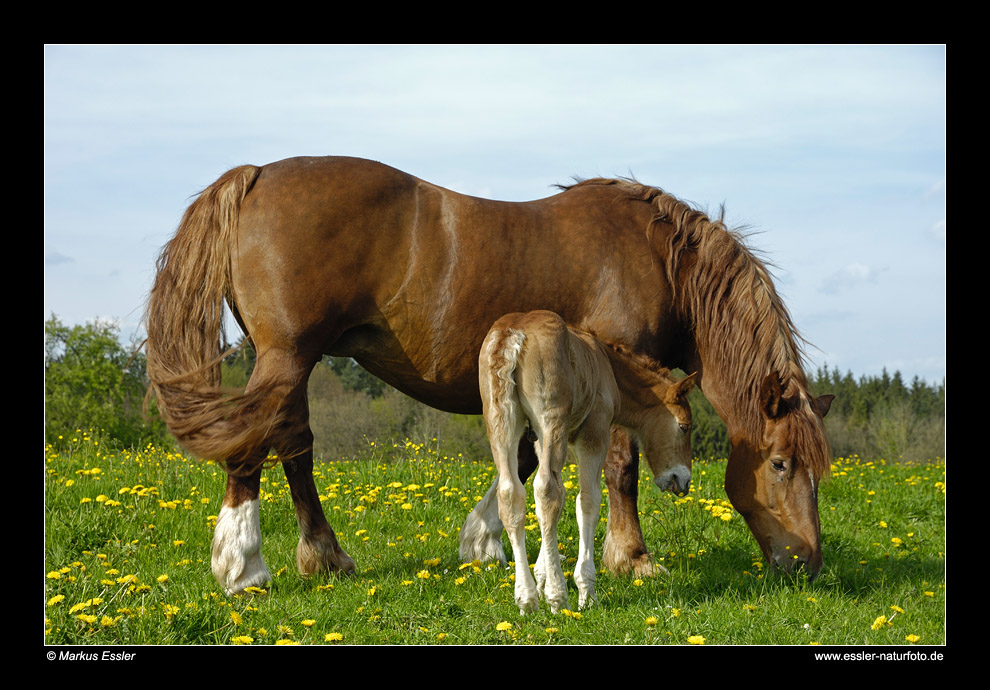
x,y
512,510
591,448
625,549
236,557
481,536
548,489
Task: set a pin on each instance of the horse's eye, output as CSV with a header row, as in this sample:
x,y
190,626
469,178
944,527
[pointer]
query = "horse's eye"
x,y
778,464
685,427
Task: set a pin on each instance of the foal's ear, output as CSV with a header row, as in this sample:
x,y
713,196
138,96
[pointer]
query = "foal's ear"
x,y
686,384
770,396
824,403
679,391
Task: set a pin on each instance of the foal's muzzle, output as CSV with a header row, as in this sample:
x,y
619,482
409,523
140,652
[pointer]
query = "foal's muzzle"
x,y
678,481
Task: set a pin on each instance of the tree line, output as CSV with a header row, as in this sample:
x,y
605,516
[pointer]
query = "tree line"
x,y
93,381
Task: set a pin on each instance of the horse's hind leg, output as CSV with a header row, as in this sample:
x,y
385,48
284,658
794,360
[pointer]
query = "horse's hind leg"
x,y
236,558
237,562
318,549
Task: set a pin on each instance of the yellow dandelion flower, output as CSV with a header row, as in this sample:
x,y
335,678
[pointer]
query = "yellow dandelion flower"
x,y
637,582
879,622
696,639
333,637
57,599
912,638
503,626
309,622
284,642
651,621
86,618
898,609
242,639
441,637
236,617
162,579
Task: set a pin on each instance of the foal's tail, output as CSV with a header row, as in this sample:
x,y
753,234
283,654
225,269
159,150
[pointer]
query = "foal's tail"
x,y
502,355
186,340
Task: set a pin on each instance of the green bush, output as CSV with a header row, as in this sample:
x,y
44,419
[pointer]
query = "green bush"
x,y
92,382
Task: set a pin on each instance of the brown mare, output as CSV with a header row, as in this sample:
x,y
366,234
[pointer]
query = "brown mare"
x,y
350,257
568,388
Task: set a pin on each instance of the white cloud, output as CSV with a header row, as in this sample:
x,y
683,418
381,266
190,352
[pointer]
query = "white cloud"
x,y
851,276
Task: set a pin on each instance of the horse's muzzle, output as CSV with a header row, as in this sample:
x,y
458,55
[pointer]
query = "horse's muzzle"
x,y
789,562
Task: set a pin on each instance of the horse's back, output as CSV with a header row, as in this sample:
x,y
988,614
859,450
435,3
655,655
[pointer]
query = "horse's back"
x,y
350,257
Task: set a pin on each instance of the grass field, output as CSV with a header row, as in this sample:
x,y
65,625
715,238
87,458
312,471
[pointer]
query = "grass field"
x,y
127,551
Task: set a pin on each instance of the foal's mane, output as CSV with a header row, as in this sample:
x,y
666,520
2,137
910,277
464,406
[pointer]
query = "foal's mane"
x,y
742,329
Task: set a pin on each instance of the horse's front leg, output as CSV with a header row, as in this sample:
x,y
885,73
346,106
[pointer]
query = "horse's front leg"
x,y
481,536
625,549
236,558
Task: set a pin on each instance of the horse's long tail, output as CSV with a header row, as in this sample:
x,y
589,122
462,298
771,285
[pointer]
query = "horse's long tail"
x,y
186,340
503,357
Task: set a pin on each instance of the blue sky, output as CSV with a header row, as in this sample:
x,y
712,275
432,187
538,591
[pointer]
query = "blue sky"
x,y
833,156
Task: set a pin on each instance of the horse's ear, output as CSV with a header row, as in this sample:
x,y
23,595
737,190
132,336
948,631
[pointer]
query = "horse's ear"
x,y
824,403
770,395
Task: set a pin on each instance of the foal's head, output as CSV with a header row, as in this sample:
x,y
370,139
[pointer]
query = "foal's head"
x,y
655,409
665,434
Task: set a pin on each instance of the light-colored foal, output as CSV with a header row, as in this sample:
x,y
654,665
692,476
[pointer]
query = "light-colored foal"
x,y
569,388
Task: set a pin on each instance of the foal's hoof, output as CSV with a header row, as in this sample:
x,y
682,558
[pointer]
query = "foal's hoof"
x,y
527,605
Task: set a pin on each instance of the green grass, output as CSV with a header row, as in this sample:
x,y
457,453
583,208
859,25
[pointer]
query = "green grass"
x,y
127,549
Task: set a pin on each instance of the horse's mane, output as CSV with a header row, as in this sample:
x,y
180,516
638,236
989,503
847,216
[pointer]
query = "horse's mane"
x,y
742,329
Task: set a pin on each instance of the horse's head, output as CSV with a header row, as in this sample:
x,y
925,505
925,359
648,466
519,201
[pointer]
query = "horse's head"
x,y
773,483
666,437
